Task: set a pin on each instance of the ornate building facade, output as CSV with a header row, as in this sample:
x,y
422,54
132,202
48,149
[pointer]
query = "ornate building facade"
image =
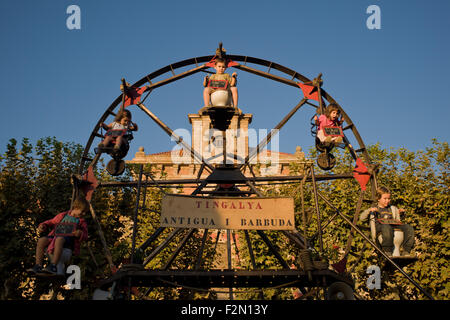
x,y
209,143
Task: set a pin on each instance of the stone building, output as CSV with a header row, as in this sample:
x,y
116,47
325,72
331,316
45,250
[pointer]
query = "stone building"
x,y
178,164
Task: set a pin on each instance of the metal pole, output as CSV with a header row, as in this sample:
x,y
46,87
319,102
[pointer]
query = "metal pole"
x,y
229,249
355,220
267,139
136,210
145,194
252,258
224,147
162,245
316,202
102,239
152,238
200,252
319,92
273,249
178,249
319,177
229,259
253,188
170,132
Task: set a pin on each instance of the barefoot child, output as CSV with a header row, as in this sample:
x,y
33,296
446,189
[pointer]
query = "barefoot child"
x,y
386,217
220,66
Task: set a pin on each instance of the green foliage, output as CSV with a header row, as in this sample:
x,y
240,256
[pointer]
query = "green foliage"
x,y
35,185
419,182
33,188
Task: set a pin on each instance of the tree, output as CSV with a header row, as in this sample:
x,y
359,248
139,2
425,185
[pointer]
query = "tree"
x,y
35,185
420,184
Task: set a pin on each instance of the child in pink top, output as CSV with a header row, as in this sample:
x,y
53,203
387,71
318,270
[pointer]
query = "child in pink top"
x,y
116,130
54,242
329,119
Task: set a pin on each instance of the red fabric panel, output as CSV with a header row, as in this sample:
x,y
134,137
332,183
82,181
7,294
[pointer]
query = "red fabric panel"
x,y
310,92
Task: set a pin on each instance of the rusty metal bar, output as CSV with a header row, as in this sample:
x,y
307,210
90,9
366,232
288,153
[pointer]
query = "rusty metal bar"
x,y
200,251
176,77
170,132
267,139
161,246
312,104
252,258
217,241
199,188
178,249
319,91
171,69
267,75
272,248
254,189
124,93
250,249
102,239
270,66
295,239
152,238
196,280
113,184
348,126
355,220
136,210
145,194
229,249
323,226
233,235
316,203
229,259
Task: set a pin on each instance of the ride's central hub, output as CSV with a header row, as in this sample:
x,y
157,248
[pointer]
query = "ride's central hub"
x,y
228,174
221,117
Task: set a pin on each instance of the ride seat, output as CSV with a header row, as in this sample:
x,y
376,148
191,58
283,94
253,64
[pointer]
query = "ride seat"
x,y
377,238
66,256
221,98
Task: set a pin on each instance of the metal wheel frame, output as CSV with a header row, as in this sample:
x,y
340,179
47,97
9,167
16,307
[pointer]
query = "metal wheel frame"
x,y
201,65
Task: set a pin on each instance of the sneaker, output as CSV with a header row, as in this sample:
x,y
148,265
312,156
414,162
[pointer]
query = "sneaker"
x,y
35,270
50,269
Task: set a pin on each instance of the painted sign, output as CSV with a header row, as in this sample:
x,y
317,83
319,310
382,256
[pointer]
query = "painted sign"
x,y
227,213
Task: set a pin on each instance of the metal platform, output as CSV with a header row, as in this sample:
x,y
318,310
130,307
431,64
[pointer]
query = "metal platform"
x,y
225,278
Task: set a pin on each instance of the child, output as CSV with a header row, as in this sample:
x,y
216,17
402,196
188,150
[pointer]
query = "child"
x,y
75,232
220,66
116,130
384,211
330,118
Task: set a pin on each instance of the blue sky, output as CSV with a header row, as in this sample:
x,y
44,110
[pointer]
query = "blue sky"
x,y
392,82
